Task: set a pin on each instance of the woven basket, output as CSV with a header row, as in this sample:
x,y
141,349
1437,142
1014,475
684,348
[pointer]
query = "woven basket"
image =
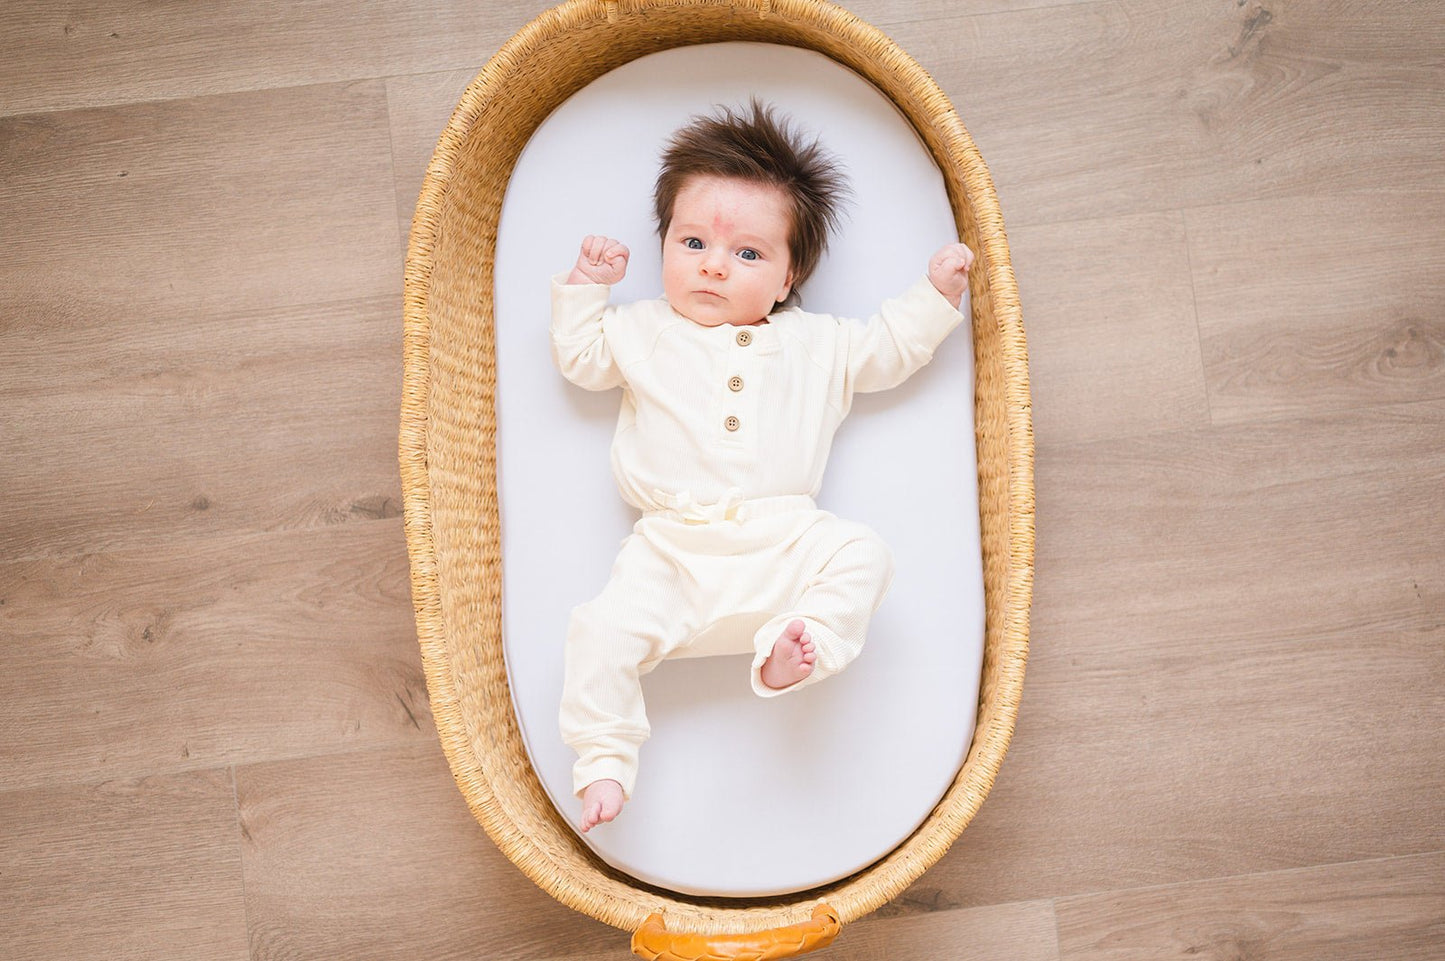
x,y
448,458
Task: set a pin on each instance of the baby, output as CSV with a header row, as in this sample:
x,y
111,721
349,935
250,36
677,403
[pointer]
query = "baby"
x,y
731,395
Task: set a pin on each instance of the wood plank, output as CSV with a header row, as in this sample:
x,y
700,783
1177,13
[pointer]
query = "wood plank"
x,y
1073,108
58,57
126,869
224,650
1113,345
154,313
1020,932
1310,99
1231,658
419,107
1105,109
178,425
1337,305
1376,909
196,206
890,14
931,932
374,855
330,841
1238,631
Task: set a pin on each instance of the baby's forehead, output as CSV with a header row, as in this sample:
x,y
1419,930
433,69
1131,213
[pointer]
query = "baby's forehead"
x,y
763,193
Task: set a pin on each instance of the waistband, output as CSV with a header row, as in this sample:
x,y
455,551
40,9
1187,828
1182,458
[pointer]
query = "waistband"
x,y
733,507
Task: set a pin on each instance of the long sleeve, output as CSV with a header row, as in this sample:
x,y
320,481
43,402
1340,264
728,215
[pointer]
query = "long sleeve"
x,y
579,335
899,339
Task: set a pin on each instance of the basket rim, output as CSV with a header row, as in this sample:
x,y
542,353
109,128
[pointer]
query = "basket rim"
x,y
887,877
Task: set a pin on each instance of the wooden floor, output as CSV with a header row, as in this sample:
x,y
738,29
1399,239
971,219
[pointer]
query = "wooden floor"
x,y
1228,223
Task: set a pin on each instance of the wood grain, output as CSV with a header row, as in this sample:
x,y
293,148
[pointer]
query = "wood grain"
x,y
1342,303
127,869
1308,99
1105,109
374,855
1020,932
1073,108
1233,667
891,14
1112,331
1340,912
419,107
178,426
58,57
226,649
197,205
1227,231
197,299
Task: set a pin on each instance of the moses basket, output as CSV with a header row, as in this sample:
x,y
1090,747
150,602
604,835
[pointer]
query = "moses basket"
x,y
449,468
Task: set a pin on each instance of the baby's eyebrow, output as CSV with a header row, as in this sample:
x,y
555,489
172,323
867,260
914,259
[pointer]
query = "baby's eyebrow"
x,y
688,228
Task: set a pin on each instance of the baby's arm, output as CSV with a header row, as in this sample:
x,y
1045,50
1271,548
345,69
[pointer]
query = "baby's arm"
x,y
905,332
602,260
580,344
948,271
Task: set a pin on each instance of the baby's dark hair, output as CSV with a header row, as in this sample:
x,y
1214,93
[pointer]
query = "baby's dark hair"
x,y
759,147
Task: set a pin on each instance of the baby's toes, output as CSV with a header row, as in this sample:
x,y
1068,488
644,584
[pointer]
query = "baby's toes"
x,y
809,657
795,629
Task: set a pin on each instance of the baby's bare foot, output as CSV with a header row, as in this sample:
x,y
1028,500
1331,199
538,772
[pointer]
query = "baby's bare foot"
x,y
792,658
601,801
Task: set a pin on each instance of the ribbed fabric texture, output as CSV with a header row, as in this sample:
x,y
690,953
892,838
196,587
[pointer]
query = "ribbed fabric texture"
x,y
729,587
713,418
705,409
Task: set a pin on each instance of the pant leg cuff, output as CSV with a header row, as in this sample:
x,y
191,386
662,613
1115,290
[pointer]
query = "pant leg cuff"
x,y
605,767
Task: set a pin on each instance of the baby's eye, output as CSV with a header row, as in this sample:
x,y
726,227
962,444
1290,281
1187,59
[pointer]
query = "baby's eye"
x,y
748,253
692,243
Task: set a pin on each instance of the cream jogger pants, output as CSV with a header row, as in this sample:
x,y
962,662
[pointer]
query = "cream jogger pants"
x,y
721,579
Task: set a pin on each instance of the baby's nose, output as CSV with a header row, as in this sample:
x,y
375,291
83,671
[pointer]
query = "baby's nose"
x,y
714,263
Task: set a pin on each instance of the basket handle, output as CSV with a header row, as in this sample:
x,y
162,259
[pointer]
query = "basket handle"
x,y
653,942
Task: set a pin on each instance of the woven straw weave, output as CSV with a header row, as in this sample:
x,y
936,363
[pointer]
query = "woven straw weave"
x,y
448,433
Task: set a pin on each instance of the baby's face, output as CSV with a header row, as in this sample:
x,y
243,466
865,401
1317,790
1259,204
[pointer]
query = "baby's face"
x,y
725,257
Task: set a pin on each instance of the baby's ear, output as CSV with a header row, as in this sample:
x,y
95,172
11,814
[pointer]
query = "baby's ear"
x,y
787,287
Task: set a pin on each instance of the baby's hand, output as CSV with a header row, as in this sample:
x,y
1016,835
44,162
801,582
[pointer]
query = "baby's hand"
x,y
602,261
948,269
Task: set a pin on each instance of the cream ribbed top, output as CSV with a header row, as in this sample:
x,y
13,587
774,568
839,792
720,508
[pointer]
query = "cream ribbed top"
x,y
709,409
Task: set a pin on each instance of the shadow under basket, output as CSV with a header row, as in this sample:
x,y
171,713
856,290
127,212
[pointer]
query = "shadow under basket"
x,y
449,476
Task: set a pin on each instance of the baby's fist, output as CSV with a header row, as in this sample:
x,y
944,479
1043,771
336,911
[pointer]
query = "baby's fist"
x,y
602,261
948,270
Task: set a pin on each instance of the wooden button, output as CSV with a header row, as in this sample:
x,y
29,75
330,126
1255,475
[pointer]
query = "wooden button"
x,y
732,423
735,385
745,337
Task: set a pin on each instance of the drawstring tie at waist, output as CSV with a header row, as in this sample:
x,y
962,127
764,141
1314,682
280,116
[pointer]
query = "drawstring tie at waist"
x,y
733,506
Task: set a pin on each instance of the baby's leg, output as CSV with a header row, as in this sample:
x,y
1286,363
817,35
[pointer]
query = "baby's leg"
x,y
602,715
611,642
845,573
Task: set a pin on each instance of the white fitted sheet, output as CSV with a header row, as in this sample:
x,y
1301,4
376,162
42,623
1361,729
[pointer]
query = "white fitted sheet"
x,y
737,795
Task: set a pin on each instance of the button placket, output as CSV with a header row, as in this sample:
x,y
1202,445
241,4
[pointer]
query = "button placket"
x,y
736,403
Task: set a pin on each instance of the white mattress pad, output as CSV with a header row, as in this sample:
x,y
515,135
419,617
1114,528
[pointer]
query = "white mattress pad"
x,y
739,795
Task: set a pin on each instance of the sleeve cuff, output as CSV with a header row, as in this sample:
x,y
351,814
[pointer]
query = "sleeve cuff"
x,y
576,307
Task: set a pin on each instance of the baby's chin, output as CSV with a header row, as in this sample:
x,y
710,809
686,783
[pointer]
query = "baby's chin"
x,y
712,315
